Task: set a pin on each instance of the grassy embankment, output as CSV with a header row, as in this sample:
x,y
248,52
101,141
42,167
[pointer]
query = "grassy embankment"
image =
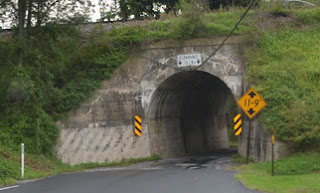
x,y
299,173
284,67
43,166
61,67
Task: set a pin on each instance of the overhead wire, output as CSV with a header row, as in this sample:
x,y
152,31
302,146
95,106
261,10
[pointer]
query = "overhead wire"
x,y
228,36
129,50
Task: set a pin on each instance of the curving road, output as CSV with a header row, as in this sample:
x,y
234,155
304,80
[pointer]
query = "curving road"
x,y
196,174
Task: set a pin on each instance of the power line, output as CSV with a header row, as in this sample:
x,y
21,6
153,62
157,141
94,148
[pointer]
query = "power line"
x,y
228,36
129,50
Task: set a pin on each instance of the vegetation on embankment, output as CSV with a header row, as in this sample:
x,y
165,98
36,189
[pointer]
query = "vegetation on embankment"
x,y
299,173
284,68
40,166
61,66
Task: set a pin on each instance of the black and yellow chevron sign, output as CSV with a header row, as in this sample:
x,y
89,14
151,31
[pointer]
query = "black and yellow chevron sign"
x,y
237,125
137,125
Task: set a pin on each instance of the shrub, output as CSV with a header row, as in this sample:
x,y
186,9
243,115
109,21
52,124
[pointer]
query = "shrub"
x,y
309,16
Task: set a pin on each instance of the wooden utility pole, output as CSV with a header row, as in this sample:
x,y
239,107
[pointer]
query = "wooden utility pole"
x,y
29,22
248,142
272,167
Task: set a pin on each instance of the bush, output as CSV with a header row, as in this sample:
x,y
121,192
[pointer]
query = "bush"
x,y
309,16
191,23
59,71
9,170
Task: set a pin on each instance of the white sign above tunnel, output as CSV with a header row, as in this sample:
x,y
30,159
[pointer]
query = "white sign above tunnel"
x,y
189,60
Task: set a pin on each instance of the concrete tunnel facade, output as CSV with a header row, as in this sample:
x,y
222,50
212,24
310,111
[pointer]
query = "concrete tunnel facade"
x,y
183,111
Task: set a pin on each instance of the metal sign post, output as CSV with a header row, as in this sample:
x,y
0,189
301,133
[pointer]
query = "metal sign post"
x,y
251,103
22,161
272,167
248,142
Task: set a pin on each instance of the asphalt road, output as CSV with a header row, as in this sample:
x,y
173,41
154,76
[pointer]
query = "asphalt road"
x,y
197,174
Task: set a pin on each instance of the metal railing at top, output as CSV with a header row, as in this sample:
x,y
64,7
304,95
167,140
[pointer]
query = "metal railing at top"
x,y
298,1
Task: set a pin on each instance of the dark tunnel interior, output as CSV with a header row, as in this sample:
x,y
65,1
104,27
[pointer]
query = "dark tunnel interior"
x,y
189,114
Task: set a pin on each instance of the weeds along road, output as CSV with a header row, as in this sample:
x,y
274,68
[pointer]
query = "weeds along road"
x,y
196,174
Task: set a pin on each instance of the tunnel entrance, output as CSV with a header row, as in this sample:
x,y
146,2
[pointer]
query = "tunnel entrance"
x,y
190,113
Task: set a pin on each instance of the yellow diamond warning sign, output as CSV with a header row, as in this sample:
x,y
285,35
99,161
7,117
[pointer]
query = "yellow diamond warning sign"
x,y
251,103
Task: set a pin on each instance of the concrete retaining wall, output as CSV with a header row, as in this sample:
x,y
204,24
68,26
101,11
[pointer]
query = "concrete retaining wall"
x,y
260,143
101,128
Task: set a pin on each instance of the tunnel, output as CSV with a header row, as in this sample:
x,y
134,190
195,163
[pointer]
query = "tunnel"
x,y
190,113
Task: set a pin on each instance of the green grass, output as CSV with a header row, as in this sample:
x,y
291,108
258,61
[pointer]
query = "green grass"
x,y
233,144
299,173
206,25
183,28
240,160
283,65
284,68
302,163
38,166
221,23
309,16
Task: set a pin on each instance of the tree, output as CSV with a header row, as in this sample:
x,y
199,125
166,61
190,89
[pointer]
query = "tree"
x,y
29,19
141,9
124,10
216,4
61,11
25,14
22,8
39,12
170,5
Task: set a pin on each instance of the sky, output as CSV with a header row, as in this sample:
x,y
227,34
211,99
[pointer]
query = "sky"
x,y
97,11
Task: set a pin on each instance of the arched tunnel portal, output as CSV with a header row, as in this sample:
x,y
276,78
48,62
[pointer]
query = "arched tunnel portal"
x,y
182,113
190,113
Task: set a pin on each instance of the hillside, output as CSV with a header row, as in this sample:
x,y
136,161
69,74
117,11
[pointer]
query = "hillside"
x,y
284,67
62,66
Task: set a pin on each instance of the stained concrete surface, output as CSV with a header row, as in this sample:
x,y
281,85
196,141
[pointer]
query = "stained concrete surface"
x,y
189,114
181,121
101,128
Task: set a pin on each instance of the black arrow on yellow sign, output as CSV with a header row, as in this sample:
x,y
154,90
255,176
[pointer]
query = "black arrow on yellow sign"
x,y
251,111
252,94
